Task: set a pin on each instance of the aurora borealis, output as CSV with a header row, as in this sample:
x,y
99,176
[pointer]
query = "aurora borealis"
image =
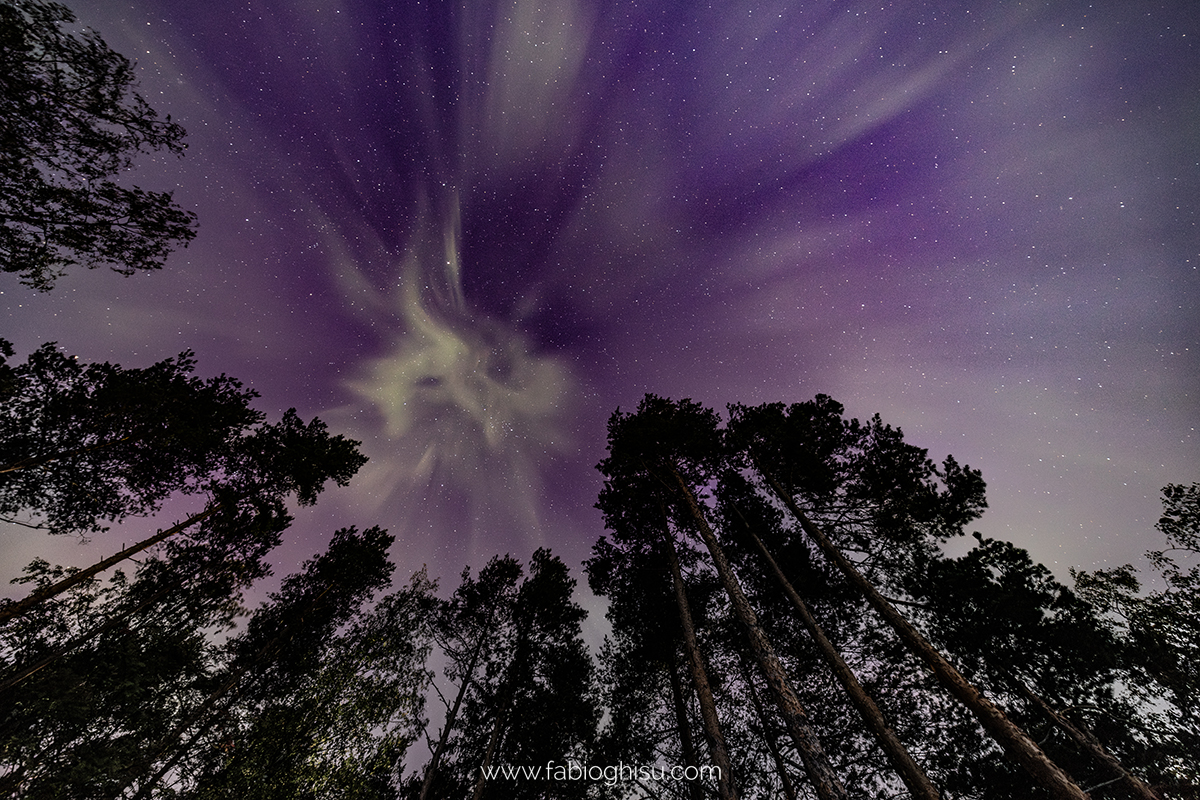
x,y
466,233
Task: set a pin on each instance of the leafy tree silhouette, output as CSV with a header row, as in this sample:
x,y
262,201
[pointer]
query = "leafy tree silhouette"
x,y
70,122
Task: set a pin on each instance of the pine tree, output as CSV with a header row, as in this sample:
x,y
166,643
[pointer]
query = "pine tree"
x,y
72,723
734,486
645,673
635,511
87,445
71,121
1156,634
464,631
881,492
277,654
531,701
659,453
342,726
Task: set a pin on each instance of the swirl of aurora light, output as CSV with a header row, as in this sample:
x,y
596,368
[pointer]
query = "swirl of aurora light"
x,y
465,401
471,408
466,232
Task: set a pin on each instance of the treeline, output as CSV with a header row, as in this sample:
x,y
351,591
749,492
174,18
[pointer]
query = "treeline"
x,y
147,686
780,605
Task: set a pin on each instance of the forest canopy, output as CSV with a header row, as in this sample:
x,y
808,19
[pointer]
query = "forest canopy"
x,y
784,621
71,123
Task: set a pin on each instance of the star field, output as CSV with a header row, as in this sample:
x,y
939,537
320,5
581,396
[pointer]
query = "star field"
x,y
465,235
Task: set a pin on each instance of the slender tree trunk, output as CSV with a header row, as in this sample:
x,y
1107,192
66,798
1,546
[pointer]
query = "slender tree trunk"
x,y
685,730
1088,741
910,772
490,753
808,745
172,585
452,715
62,650
507,693
785,780
708,709
53,590
1015,741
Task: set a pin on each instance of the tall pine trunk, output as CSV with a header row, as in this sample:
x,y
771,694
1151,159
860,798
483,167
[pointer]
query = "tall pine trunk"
x,y
785,780
708,708
808,745
1088,741
508,690
30,669
74,579
906,767
685,730
451,716
1015,741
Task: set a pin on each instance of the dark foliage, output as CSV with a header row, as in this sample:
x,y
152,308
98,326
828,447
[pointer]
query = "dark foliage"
x,y
1072,670
85,444
70,122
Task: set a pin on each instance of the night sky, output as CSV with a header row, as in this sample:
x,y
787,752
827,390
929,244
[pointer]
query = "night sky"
x,y
466,235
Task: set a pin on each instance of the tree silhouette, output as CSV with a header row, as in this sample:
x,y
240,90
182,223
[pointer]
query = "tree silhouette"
x,y
70,121
634,501
1158,639
529,698
272,660
668,440
464,632
69,725
883,492
82,444
340,725
734,486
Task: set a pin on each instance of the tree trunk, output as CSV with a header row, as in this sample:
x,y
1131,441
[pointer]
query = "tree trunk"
x,y
1088,741
62,650
685,730
436,757
1015,741
708,709
508,690
173,585
808,745
490,753
785,780
910,772
53,590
